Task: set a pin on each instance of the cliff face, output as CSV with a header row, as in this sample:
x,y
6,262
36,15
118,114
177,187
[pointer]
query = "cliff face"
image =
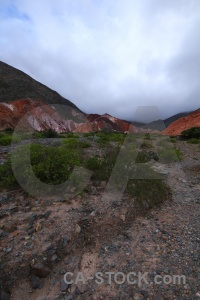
x,y
175,128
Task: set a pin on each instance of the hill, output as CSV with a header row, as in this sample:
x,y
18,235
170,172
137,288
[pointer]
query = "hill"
x,y
15,84
191,120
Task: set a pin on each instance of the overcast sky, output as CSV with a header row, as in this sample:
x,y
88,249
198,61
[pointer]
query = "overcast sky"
x,y
108,55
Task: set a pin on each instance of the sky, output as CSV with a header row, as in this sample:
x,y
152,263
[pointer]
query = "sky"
x,y
108,56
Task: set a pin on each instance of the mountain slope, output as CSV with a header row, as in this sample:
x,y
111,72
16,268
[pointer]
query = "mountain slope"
x,y
15,84
184,123
35,114
172,119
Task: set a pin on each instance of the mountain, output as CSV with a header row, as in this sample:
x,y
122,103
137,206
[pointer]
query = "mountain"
x,y
15,84
35,114
191,120
23,97
105,122
160,125
38,116
172,119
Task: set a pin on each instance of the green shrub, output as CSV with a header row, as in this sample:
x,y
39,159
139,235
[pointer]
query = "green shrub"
x,y
193,141
88,134
164,142
92,163
173,140
142,157
169,155
52,165
146,145
73,143
6,175
9,130
102,167
72,135
148,192
193,132
5,139
106,137
147,136
50,133
117,137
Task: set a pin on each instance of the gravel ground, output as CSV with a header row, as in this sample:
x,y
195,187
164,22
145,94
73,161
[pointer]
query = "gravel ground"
x,y
41,240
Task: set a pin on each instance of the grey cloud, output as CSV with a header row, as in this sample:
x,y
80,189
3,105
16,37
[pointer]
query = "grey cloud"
x,y
109,56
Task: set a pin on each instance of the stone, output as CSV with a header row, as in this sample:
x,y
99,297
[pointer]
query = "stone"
x,y
78,228
198,294
137,296
4,296
10,227
8,250
36,282
122,217
93,190
39,269
38,227
65,240
69,297
30,231
47,214
54,257
63,286
14,209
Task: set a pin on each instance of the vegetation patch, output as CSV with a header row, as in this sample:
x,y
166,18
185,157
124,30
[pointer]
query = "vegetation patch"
x,y
52,165
193,141
5,139
50,133
148,192
193,132
169,155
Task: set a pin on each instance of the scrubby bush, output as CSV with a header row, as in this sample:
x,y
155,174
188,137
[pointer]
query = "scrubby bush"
x,y
93,163
102,167
193,141
72,135
88,134
106,137
5,139
147,136
173,139
8,129
193,132
169,155
50,133
148,192
73,143
142,157
52,165
146,145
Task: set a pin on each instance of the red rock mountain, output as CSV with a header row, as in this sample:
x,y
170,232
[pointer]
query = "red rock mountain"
x,y
97,122
175,128
40,116
37,115
20,94
43,108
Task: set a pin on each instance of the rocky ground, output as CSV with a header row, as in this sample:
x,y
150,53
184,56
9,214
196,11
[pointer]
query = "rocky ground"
x,y
42,239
